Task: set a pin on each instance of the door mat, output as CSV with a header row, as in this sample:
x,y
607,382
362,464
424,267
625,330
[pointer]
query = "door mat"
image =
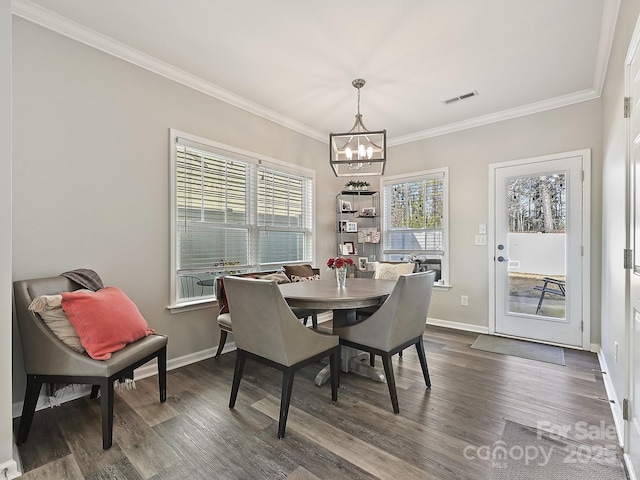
x,y
528,453
520,348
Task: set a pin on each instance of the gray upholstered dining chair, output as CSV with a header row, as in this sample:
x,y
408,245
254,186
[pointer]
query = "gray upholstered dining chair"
x,y
385,271
47,359
265,329
396,325
224,318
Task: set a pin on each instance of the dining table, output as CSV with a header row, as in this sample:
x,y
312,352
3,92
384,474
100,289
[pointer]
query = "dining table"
x,y
343,302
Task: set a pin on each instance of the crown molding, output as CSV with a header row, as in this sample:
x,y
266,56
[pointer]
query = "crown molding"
x,y
610,11
537,107
62,25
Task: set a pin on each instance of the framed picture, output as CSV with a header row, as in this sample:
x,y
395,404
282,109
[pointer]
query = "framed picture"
x,y
346,206
344,250
363,263
349,248
351,227
342,226
368,212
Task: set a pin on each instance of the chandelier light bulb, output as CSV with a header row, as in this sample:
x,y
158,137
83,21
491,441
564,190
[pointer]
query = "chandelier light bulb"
x,y
361,151
370,152
348,153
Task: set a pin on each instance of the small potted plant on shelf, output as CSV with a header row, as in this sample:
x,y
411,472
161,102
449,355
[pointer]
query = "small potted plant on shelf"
x,y
356,185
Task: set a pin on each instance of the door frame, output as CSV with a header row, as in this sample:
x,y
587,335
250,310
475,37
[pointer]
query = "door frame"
x,y
586,237
630,450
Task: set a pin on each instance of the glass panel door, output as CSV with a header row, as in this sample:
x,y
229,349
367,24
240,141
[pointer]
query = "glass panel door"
x,y
538,249
537,213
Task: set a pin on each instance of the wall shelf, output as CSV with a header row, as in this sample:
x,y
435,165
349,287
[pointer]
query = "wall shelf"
x,y
355,229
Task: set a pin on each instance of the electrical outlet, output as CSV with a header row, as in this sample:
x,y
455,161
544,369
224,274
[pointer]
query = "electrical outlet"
x,y
464,300
481,240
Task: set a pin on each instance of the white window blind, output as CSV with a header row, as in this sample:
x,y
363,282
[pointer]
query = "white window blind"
x,y
415,217
234,213
212,222
284,217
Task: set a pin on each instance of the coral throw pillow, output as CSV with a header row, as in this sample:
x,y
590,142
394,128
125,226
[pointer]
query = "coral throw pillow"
x,y
106,321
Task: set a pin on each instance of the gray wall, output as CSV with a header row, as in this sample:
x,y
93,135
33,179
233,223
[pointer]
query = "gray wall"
x,y
91,173
468,154
615,319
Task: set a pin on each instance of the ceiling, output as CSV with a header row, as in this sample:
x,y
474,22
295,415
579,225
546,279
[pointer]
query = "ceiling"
x,y
293,61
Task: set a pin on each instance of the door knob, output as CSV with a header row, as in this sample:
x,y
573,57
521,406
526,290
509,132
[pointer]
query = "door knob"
x,y
502,259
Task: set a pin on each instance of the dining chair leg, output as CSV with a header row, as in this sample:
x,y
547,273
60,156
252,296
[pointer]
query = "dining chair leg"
x,y
372,359
237,375
391,382
223,340
423,362
106,409
162,374
28,407
285,399
314,321
95,389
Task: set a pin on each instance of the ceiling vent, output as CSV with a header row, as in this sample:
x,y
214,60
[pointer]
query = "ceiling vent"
x,y
461,97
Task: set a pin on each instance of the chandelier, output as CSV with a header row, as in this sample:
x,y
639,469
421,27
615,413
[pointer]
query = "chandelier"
x,y
358,152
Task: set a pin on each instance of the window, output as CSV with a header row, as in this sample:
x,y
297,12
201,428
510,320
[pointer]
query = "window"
x,y
233,211
415,220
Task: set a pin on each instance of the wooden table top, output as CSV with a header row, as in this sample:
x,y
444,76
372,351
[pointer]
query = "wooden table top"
x,y
326,295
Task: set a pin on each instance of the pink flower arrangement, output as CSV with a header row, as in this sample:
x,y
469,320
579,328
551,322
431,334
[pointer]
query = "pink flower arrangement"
x,y
339,262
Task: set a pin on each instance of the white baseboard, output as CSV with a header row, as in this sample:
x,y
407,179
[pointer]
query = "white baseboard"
x,y
326,316
9,469
615,405
629,465
79,391
457,325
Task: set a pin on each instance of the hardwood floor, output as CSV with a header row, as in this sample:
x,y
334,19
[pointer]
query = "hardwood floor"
x,y
194,435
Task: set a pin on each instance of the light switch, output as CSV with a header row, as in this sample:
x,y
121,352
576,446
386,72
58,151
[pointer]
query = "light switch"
x,y
482,230
481,240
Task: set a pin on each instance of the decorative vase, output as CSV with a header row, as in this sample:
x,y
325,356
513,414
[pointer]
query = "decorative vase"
x,y
341,276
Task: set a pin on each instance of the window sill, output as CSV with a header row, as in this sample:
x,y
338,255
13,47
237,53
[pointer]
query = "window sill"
x,y
444,288
191,306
